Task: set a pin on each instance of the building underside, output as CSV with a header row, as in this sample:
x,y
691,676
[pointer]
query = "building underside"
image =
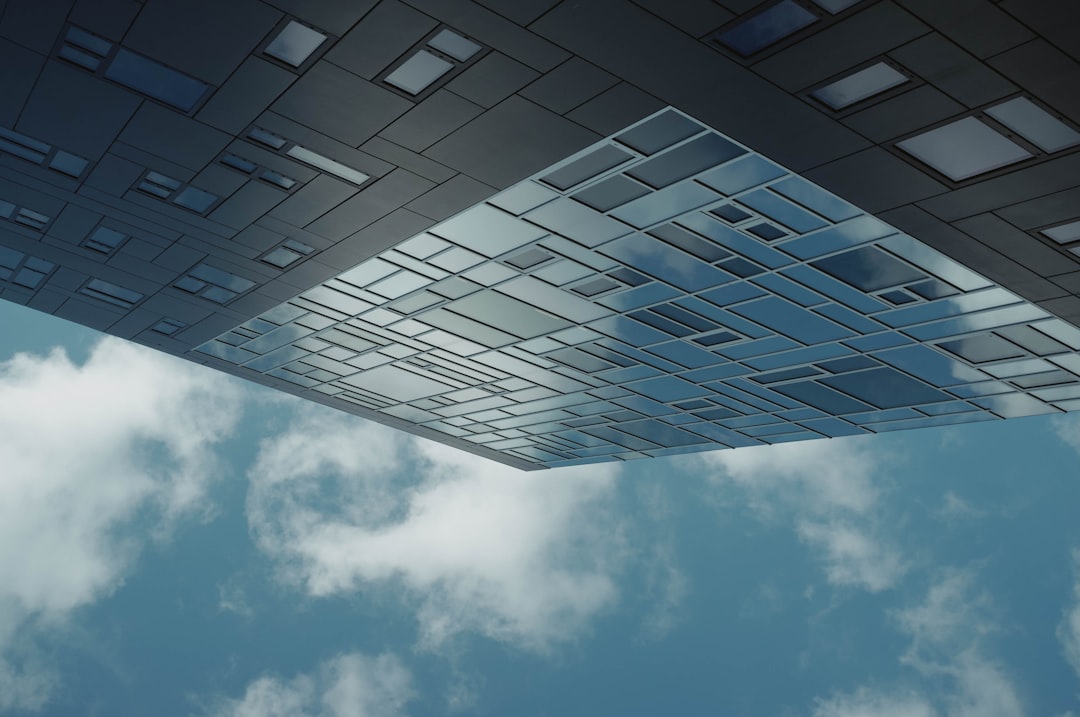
x,y
553,232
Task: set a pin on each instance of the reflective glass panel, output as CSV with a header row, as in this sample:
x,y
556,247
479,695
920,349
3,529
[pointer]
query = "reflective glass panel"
x,y
156,80
964,149
860,85
418,72
1035,124
543,313
295,43
769,26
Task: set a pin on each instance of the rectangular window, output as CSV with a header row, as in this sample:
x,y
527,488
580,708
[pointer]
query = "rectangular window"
x,y
111,293
860,85
156,80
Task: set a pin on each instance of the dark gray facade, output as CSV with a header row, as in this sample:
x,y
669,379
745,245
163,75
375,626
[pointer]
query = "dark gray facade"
x,y
170,171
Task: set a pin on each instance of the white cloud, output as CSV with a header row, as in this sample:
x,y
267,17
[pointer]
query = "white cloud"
x,y
826,489
87,451
949,656
527,558
1068,630
866,702
349,685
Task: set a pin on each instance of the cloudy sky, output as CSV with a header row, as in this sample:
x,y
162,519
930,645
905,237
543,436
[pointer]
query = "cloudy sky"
x,y
177,542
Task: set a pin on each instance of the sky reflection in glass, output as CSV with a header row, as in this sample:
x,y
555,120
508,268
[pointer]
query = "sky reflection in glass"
x,y
613,318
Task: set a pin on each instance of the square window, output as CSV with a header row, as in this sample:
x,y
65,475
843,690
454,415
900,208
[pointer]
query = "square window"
x,y
418,72
195,199
1064,233
295,44
1035,124
963,149
69,164
454,45
860,85
104,240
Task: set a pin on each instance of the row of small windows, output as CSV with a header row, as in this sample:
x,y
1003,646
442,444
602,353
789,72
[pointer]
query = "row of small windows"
x,y
41,153
132,70
23,270
319,161
246,166
23,216
176,192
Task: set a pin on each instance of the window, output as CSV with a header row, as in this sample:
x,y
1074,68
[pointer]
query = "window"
x,y
439,55
767,27
1035,124
26,217
286,254
132,70
111,293
295,44
964,149
331,166
38,152
213,284
860,85
175,192
104,240
1064,233
168,327
418,72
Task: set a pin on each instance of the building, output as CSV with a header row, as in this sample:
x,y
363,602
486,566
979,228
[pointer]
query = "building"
x,y
560,232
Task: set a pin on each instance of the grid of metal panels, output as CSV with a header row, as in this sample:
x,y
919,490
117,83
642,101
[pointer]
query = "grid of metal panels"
x,y
665,290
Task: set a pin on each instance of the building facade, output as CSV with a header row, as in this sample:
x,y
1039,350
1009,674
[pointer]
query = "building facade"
x,y
562,232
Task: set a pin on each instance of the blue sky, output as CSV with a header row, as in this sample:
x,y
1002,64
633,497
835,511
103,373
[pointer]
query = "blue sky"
x,y
177,542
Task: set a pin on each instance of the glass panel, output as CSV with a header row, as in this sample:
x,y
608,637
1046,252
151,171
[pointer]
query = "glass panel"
x,y
327,165
588,166
685,161
765,28
268,138
868,268
660,132
238,163
278,180
155,80
964,149
453,44
1064,233
295,43
860,85
281,257
69,164
93,43
221,278
1036,124
195,199
418,72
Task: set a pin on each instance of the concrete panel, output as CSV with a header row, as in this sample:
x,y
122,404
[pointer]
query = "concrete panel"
x,y
895,181
492,79
380,38
431,120
340,104
510,142
173,137
953,71
59,110
21,68
207,39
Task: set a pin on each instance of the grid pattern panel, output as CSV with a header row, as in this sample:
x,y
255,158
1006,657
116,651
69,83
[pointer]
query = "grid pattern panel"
x,y
663,291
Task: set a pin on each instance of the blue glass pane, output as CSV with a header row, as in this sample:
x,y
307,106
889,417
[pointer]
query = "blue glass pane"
x,y
767,27
156,80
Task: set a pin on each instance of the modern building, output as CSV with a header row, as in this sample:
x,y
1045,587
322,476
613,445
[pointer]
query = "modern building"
x,y
556,232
